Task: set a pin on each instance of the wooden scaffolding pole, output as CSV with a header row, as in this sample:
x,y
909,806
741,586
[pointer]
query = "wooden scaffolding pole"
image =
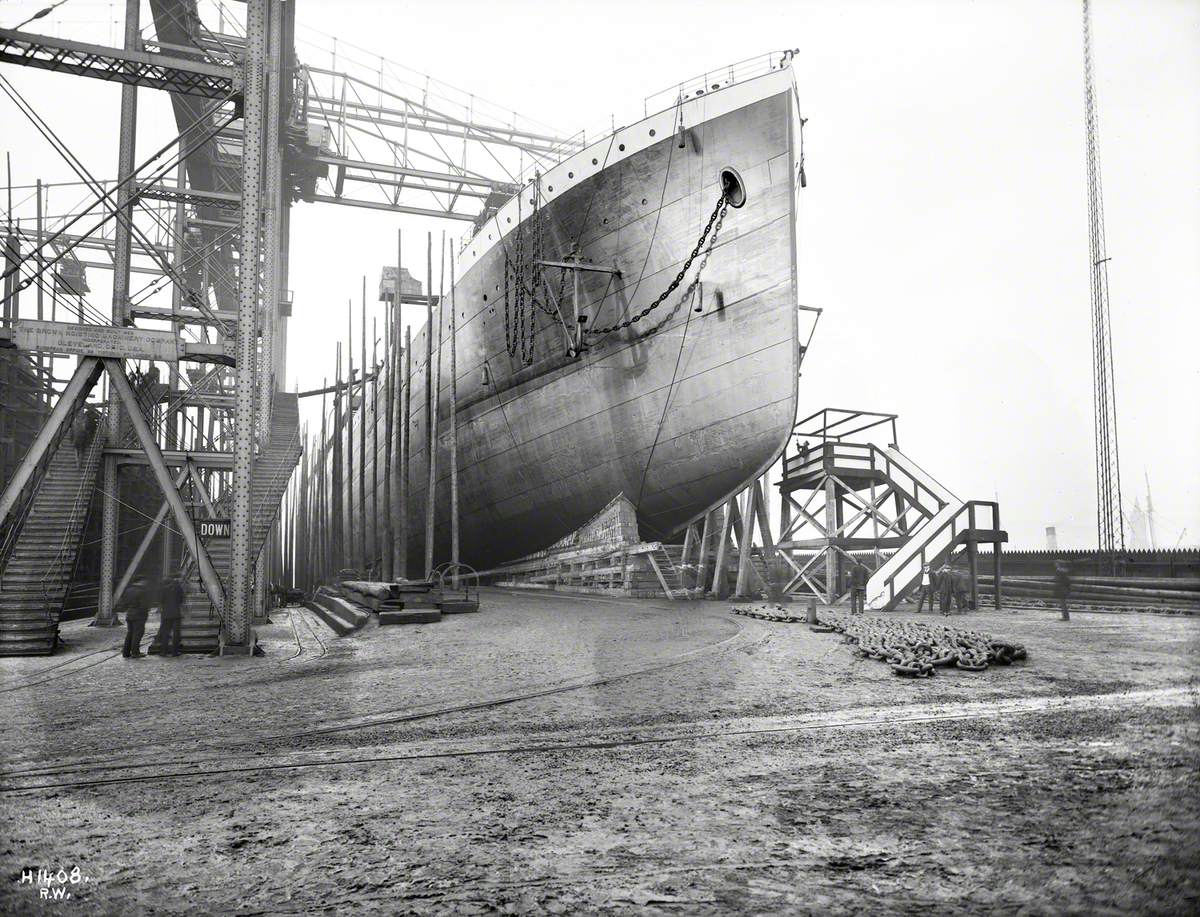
x,y
394,430
389,531
434,372
453,428
364,546
376,527
337,523
405,438
351,559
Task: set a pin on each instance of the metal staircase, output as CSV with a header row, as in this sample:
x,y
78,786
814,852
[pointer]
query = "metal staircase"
x,y
200,627
41,547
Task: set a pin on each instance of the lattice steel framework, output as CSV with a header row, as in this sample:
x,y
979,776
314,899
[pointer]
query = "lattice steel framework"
x,y
129,66
1109,530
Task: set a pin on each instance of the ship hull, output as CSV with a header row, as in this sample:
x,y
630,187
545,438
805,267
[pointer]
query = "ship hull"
x,y
676,419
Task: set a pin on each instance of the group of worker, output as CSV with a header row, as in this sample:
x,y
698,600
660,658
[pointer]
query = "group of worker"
x,y
947,584
140,596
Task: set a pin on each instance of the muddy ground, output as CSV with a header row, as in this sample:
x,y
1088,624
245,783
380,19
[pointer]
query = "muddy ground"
x,y
586,755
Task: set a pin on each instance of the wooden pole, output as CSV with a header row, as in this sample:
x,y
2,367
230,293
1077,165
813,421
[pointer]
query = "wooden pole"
x,y
348,505
325,474
405,428
428,332
720,587
453,428
433,372
364,546
337,533
389,531
705,540
745,540
392,489
376,463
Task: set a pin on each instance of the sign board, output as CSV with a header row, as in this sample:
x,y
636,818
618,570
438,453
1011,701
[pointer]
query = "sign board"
x,y
96,340
213,528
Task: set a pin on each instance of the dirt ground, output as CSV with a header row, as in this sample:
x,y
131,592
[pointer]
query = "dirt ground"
x,y
557,754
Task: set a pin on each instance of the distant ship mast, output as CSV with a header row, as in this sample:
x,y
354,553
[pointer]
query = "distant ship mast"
x,y
1111,533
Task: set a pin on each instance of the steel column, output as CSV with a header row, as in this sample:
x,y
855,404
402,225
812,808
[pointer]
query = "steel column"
x,y
272,166
237,637
121,253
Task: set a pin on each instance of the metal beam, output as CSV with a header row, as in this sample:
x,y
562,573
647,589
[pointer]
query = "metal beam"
x,y
128,66
162,313
208,576
394,208
157,191
388,169
219,460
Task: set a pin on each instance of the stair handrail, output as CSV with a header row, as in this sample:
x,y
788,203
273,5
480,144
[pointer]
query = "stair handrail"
x,y
190,561
966,508
89,466
10,528
274,505
892,458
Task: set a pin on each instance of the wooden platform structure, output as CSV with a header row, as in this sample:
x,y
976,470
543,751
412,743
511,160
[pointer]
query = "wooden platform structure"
x,y
847,498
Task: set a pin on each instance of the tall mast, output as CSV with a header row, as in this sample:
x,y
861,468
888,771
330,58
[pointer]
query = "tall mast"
x,y
1110,532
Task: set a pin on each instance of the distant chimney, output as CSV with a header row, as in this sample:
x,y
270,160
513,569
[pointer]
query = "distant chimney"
x,y
1051,538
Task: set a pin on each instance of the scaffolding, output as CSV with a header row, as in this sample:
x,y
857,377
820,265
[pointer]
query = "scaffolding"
x,y
204,221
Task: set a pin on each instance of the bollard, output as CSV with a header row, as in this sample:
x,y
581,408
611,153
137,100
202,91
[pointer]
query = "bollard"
x,y
812,611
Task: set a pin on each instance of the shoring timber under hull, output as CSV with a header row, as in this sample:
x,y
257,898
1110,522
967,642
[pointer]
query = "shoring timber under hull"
x,y
675,420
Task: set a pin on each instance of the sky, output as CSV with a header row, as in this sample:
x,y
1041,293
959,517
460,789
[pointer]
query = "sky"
x,y
943,230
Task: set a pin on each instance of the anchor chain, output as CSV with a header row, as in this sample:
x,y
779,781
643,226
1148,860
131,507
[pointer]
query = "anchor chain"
x,y
523,278
711,228
912,648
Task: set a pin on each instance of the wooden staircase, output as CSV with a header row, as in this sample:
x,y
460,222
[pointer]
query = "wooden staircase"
x,y
668,572
761,569
200,628
36,574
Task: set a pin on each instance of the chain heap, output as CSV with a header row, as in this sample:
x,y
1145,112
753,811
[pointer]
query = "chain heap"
x,y
709,235
913,648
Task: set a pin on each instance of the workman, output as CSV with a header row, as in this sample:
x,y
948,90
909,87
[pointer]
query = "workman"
x,y
945,579
858,587
961,584
928,587
170,612
136,605
1062,587
82,430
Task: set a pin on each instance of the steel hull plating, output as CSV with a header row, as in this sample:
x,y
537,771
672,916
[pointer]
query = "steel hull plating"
x,y
677,419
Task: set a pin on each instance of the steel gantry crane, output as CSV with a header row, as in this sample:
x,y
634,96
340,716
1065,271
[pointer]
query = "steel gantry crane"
x,y
207,217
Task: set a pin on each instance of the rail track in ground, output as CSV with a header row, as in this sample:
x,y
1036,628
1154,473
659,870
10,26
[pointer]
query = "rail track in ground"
x,y
396,716
34,678
855,718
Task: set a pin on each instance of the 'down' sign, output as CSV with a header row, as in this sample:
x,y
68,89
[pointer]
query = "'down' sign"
x,y
213,528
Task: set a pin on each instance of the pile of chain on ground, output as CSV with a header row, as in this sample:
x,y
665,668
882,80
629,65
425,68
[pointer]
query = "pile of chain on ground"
x,y
916,649
913,648
767,612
